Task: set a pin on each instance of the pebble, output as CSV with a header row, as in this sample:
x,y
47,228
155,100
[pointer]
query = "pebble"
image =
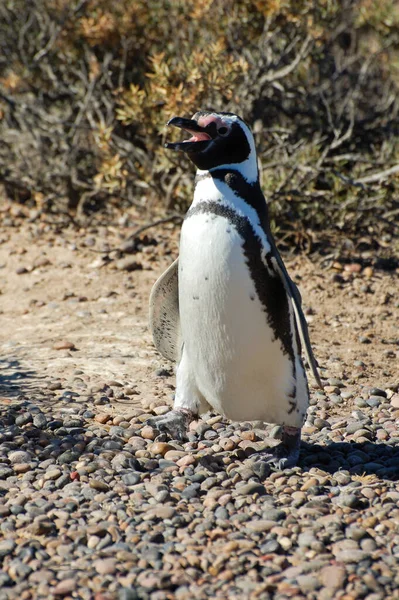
x,y
64,345
105,566
65,587
19,457
130,514
6,547
333,577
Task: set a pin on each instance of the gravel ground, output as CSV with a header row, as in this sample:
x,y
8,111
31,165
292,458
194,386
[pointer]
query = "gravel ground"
x,y
95,504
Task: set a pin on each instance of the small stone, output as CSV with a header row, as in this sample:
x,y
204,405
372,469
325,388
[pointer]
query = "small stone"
x,y
321,424
6,547
102,418
368,272
23,419
42,527
148,433
56,385
160,448
377,392
342,477
250,489
39,421
105,566
22,468
306,539
351,556
128,264
19,456
353,268
174,455
131,478
160,512
99,485
186,461
308,583
395,400
312,481
333,577
64,345
260,525
349,500
52,474
65,587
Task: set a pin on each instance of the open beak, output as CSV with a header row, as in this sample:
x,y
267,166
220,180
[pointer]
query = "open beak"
x,y
198,141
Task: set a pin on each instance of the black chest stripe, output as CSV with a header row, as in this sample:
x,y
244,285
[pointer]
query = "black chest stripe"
x,y
269,289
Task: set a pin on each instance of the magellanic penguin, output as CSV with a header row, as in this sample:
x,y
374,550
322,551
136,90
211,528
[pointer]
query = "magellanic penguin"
x,y
226,311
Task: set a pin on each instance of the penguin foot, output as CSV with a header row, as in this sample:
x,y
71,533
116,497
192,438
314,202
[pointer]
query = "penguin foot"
x,y
174,423
283,456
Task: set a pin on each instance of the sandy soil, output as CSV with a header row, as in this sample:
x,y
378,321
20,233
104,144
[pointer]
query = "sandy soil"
x,y
74,289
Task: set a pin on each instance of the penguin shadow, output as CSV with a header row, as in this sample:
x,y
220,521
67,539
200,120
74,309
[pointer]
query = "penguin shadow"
x,y
16,380
365,459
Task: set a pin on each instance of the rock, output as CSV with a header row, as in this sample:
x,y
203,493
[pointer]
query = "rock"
x,y
351,556
160,512
131,478
160,448
18,457
105,566
308,583
65,587
175,455
99,485
128,264
6,547
349,500
251,488
102,418
64,345
260,525
148,433
353,268
333,577
39,421
395,400
52,474
186,461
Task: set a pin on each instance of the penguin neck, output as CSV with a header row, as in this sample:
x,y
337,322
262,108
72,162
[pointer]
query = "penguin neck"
x,y
248,170
226,183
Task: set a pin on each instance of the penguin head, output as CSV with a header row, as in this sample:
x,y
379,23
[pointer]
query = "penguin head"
x,y
219,140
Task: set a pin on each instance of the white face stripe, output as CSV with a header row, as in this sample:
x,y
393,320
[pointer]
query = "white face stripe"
x,y
249,167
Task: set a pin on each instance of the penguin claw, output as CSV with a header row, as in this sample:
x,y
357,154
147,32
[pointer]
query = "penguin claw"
x,y
283,456
174,424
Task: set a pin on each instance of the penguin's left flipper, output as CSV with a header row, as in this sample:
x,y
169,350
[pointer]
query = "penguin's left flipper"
x,y
283,456
164,313
296,301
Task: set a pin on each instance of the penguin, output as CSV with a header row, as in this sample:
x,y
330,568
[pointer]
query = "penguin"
x,y
226,311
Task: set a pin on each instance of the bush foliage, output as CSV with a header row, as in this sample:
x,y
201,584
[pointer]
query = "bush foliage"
x,y
86,87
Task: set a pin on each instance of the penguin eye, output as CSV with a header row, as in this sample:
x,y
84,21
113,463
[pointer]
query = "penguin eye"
x,y
223,130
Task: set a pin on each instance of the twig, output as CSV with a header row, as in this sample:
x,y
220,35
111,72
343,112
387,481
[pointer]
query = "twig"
x,y
140,230
379,176
284,71
348,180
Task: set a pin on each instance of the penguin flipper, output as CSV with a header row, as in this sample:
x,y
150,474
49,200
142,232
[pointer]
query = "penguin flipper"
x,y
296,300
164,313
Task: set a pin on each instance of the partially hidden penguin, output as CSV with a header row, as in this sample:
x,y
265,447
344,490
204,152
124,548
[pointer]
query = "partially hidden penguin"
x,y
226,311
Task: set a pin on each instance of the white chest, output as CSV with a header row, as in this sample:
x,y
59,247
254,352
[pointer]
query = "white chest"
x,y
234,353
